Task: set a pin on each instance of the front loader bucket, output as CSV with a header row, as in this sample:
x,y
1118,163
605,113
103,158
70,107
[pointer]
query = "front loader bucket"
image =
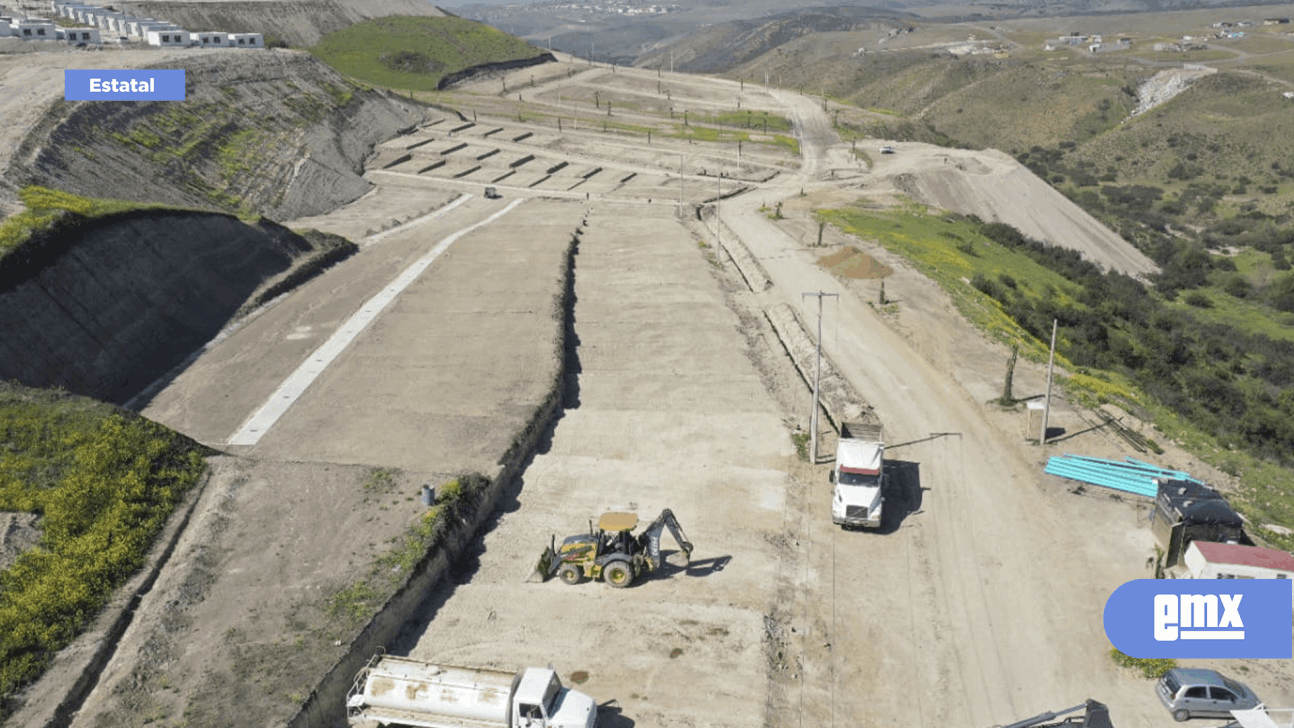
x,y
546,566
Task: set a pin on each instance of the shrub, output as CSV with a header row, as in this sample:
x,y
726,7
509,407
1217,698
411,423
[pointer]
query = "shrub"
x,y
110,490
1149,668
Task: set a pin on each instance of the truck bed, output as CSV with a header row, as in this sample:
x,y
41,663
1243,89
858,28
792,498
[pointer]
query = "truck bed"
x,y
870,431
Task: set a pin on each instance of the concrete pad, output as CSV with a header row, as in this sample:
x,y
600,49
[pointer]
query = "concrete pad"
x,y
485,313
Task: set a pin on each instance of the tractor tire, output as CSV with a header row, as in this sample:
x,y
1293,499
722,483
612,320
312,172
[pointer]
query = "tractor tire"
x,y
570,574
618,574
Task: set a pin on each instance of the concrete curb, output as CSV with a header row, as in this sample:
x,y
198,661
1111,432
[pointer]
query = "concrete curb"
x,y
838,399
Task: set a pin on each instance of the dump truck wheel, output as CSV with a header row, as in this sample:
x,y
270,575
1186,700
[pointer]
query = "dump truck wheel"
x,y
570,574
618,574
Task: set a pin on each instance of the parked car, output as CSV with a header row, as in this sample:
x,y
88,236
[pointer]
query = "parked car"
x,y
1189,692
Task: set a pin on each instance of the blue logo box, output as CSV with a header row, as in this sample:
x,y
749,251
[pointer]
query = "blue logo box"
x,y
1202,618
123,85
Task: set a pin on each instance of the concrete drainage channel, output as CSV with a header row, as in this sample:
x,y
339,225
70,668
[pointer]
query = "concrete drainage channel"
x,y
325,706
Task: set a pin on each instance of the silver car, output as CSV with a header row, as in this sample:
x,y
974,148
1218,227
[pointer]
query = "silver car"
x,y
1188,693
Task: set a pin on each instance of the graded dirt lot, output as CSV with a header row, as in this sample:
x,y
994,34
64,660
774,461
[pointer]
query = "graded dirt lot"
x,y
977,604
669,413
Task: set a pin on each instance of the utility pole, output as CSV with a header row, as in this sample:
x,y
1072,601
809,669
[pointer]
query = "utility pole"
x,y
1046,402
817,380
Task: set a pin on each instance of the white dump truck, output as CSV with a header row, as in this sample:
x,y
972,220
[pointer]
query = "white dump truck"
x,y
858,476
413,693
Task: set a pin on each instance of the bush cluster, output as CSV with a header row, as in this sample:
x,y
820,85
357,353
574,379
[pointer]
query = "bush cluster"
x,y
1230,382
103,487
1149,668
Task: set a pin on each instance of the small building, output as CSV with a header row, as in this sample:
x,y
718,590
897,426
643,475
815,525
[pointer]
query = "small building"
x,y
168,38
1207,560
89,36
68,9
1186,511
213,39
246,40
108,20
139,27
32,29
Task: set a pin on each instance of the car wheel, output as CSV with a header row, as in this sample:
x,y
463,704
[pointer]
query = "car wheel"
x,y
618,574
570,574
1181,715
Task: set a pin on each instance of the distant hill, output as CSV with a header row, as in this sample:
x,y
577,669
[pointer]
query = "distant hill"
x,y
724,46
710,36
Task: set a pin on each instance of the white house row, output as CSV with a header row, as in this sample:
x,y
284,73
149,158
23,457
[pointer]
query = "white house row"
x,y
97,23
44,30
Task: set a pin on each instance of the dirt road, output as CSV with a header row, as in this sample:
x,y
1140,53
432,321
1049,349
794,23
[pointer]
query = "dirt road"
x,y
985,596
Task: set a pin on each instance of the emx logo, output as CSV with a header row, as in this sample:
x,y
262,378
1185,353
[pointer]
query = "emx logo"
x,y
1190,618
1174,614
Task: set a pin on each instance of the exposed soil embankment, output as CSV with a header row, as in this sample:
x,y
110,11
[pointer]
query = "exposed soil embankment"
x,y
487,70
296,23
275,133
106,307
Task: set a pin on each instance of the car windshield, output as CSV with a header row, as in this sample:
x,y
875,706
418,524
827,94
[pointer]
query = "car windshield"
x,y
847,478
1171,683
1236,687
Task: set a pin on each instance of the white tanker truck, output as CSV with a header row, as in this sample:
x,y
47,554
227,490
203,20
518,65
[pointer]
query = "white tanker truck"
x,y
413,693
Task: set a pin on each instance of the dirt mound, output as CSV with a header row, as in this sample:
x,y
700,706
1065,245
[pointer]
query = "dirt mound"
x,y
996,188
851,262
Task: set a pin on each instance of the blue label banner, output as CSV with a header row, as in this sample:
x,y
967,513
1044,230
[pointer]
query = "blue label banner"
x,y
122,85
1202,618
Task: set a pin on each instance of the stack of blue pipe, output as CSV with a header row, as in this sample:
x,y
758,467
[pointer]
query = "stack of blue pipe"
x,y
1128,475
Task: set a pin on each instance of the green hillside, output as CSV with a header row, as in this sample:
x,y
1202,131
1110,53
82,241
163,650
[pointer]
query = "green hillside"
x,y
414,53
103,481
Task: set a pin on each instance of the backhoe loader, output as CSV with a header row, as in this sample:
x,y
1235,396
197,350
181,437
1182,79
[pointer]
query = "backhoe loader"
x,y
611,552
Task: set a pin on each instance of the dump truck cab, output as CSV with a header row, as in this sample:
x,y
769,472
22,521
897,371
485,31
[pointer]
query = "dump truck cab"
x,y
859,478
541,701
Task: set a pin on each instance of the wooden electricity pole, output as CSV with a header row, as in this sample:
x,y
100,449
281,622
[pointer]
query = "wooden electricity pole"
x,y
1046,402
817,380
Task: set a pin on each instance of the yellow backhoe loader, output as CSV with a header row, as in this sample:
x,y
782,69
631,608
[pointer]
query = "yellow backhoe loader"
x,y
611,552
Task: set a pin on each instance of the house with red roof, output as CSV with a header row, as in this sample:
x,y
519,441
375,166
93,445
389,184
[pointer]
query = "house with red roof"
x,y
1209,560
